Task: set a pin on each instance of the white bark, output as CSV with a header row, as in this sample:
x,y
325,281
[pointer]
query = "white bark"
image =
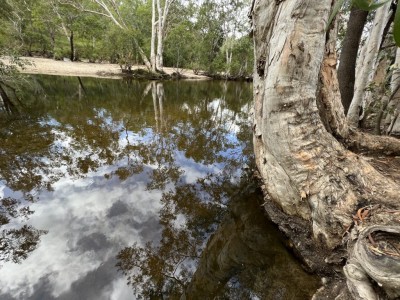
x,y
162,17
307,173
160,30
367,64
285,94
394,106
153,36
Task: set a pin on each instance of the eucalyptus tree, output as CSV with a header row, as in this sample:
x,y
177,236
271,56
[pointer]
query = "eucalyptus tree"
x,y
392,118
367,62
182,37
67,19
112,10
210,36
317,190
117,12
162,13
349,53
233,15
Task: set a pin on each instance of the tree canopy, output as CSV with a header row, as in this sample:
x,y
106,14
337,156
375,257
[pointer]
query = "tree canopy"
x,y
202,35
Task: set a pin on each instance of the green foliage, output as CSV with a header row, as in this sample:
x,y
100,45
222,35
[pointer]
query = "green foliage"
x,y
198,36
367,5
179,50
338,5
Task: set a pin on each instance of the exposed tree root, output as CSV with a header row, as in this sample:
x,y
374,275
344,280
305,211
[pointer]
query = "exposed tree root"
x,y
307,168
373,144
366,259
376,255
332,113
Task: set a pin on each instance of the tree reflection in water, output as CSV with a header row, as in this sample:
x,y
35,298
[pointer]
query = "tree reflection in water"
x,y
242,258
16,244
66,134
23,170
164,133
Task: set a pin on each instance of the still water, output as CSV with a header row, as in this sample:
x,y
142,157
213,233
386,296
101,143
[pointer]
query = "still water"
x,y
109,182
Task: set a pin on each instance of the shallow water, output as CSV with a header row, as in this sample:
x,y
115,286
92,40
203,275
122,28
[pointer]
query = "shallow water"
x,y
104,182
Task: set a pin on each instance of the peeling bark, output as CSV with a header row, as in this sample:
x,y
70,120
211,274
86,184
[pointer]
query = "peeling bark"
x,y
308,172
367,63
394,102
161,25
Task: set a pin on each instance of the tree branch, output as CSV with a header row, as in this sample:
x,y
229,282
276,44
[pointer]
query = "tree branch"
x,y
374,144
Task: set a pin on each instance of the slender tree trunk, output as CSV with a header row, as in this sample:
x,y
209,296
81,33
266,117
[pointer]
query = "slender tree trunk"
x,y
367,63
348,56
313,185
153,36
53,42
72,48
160,32
142,55
162,19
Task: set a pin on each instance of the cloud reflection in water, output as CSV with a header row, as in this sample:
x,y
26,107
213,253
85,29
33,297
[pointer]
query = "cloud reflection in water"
x,y
107,166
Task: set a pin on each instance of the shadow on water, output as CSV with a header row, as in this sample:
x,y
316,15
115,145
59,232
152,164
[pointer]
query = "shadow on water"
x,y
155,178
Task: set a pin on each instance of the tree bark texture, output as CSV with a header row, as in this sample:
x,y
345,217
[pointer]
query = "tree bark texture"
x,y
348,56
309,176
162,17
367,62
153,36
392,118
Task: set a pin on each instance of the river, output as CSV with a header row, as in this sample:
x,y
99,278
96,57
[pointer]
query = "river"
x,y
109,182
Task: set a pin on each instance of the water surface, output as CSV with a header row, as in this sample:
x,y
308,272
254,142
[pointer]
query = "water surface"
x,y
104,182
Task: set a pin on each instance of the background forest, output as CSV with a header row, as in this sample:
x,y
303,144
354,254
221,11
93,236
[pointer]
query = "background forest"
x,y
212,36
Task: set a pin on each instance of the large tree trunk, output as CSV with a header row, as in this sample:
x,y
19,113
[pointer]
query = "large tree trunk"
x,y
367,63
348,56
313,184
162,19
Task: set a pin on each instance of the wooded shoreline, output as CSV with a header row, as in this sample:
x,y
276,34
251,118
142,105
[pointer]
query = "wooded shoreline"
x,y
46,66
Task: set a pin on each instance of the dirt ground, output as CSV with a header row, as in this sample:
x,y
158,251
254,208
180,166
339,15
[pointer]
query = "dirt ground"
x,y
47,66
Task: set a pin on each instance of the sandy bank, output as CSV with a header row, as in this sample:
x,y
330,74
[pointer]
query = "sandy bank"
x,y
67,68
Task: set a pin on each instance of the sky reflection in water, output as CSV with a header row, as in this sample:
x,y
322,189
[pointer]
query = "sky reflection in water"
x,y
89,212
113,164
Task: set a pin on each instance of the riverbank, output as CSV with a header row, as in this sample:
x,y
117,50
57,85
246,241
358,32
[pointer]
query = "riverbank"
x,y
38,65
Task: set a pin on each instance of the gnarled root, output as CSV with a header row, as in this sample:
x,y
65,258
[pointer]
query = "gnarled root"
x,y
376,256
